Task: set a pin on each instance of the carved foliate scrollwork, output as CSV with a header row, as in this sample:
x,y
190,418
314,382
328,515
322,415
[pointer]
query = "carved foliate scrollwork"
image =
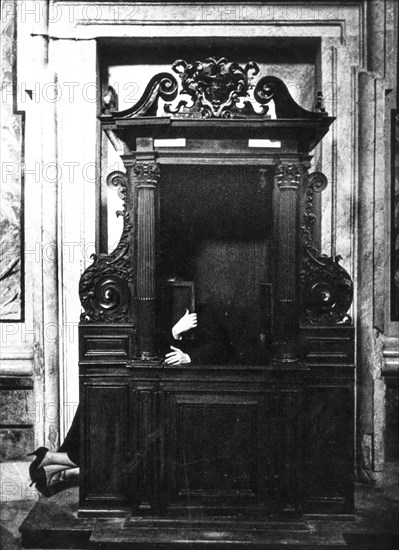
x,y
214,88
327,289
109,101
118,181
315,182
221,89
104,286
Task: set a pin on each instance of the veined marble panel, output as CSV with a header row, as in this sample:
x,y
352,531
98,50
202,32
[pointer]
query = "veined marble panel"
x,y
114,19
11,187
395,236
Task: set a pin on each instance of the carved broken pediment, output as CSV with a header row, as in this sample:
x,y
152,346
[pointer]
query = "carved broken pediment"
x,y
161,86
215,88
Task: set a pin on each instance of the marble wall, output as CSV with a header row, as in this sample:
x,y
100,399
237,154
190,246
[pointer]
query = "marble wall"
x,y
395,215
11,186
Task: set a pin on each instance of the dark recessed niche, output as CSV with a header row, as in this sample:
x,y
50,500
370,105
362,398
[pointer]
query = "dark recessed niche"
x,y
130,51
222,204
216,230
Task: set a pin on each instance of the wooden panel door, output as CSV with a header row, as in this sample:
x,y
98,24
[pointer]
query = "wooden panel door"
x,y
230,452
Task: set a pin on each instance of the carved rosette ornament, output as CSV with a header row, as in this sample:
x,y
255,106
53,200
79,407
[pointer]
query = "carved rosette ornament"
x,y
327,289
104,286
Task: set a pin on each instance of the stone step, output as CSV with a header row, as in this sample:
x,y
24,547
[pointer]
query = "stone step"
x,y
212,533
54,523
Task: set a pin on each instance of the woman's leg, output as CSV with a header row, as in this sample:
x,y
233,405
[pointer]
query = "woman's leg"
x,y
71,444
55,458
56,468
67,455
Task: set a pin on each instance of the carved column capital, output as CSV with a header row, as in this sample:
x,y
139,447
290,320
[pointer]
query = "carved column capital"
x,y
146,173
288,175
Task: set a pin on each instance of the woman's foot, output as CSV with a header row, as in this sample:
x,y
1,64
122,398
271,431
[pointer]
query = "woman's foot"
x,y
55,478
70,477
46,464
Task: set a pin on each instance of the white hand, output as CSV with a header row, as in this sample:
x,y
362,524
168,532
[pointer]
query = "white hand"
x,y
177,357
185,323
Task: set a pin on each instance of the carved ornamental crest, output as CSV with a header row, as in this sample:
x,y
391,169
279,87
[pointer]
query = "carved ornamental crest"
x,y
214,88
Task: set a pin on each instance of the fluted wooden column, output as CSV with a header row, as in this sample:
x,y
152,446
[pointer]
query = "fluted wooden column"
x,y
144,175
287,180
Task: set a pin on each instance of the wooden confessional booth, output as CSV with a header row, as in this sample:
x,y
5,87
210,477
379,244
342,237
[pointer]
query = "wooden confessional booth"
x,y
223,214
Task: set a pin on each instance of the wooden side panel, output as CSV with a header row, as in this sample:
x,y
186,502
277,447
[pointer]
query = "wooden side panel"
x,y
328,345
144,449
105,436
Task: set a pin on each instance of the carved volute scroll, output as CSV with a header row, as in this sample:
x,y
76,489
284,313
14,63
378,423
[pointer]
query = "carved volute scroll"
x,y
161,86
105,286
326,287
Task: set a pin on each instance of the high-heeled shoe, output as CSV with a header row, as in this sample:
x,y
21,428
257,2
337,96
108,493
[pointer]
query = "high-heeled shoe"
x,y
43,484
34,466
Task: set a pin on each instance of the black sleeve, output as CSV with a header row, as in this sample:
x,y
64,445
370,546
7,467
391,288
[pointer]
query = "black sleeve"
x,y
210,344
